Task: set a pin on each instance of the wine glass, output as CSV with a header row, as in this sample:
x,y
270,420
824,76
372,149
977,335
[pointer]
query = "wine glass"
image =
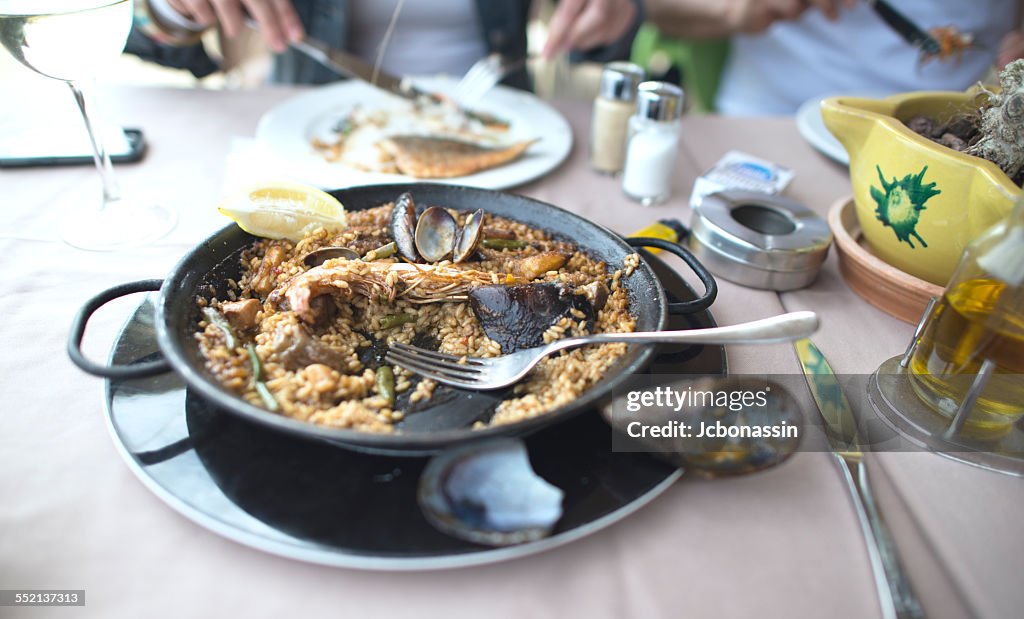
x,y
66,40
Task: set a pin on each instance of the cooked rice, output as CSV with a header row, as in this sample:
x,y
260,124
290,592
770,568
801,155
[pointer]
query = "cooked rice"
x,y
346,395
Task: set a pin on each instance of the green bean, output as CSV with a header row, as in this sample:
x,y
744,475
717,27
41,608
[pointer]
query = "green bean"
x,y
386,383
395,320
384,251
267,397
254,360
503,244
218,320
257,379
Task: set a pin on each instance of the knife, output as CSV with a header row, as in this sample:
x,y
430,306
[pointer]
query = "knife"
x,y
908,30
350,65
896,596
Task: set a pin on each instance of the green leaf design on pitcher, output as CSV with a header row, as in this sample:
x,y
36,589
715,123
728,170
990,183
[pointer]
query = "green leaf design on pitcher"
x,y
900,203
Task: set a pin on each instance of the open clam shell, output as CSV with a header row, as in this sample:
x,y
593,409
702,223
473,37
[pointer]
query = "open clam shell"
x,y
488,493
435,234
469,236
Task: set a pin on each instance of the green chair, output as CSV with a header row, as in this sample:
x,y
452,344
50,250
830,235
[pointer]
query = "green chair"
x,y
699,63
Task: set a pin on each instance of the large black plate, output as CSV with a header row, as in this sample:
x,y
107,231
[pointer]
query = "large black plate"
x,y
318,502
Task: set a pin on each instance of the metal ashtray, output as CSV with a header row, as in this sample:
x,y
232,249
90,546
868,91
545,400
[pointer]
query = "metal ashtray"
x,y
759,240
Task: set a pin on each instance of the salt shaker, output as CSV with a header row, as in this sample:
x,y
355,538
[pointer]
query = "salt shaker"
x,y
613,107
653,142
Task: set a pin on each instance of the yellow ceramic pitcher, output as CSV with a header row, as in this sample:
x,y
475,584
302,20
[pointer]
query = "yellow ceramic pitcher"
x,y
919,203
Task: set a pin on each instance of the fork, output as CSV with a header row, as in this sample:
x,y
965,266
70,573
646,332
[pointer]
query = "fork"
x,y
497,372
484,75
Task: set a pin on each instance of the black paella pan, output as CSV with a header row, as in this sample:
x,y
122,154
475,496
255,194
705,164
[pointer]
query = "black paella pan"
x,y
216,260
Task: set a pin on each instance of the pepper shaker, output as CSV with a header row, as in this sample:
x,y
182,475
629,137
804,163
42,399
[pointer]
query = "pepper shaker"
x,y
653,142
613,107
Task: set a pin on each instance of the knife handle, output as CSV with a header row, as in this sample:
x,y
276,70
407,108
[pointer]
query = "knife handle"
x,y
896,594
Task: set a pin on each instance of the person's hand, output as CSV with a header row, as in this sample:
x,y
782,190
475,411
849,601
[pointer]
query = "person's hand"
x,y
754,16
831,7
277,19
1010,48
584,24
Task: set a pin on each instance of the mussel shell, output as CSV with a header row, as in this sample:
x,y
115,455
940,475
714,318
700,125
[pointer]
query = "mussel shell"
x,y
402,227
469,236
435,234
319,256
517,317
488,493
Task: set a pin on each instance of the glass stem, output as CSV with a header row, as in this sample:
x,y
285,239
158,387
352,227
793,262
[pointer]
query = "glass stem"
x,y
111,190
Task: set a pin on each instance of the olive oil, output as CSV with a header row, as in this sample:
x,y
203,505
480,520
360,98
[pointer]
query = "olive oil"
x,y
974,322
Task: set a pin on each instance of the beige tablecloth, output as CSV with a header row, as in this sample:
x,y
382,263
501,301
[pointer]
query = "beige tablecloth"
x,y
783,543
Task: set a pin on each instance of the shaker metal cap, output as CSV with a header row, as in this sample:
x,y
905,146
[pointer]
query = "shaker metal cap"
x,y
659,101
619,80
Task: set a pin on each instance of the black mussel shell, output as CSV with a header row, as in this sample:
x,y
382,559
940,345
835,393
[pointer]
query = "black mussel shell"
x,y
402,227
516,317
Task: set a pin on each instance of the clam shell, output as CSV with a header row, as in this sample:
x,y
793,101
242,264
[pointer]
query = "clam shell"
x,y
488,493
435,234
469,236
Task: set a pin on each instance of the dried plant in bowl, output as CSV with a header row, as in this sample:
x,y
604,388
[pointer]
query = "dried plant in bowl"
x,y
1002,124
994,131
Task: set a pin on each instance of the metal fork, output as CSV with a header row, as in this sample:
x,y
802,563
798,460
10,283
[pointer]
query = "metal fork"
x,y
483,76
494,373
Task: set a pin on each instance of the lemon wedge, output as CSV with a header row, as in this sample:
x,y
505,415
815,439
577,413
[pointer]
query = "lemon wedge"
x,y
284,211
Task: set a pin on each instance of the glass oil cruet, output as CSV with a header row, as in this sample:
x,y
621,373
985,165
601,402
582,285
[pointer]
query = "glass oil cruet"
x,y
968,364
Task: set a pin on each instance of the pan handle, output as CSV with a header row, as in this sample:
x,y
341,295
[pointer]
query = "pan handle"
x,y
136,370
706,278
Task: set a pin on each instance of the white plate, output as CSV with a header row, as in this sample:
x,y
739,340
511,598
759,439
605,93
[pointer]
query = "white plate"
x,y
813,129
286,130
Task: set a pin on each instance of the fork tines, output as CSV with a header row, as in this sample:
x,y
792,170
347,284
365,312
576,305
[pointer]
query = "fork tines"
x,y
436,365
480,78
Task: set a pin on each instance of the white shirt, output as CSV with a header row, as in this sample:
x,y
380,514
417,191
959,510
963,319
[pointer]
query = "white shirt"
x,y
430,36
858,54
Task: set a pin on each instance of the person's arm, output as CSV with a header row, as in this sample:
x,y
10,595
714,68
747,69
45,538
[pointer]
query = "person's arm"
x,y
716,19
